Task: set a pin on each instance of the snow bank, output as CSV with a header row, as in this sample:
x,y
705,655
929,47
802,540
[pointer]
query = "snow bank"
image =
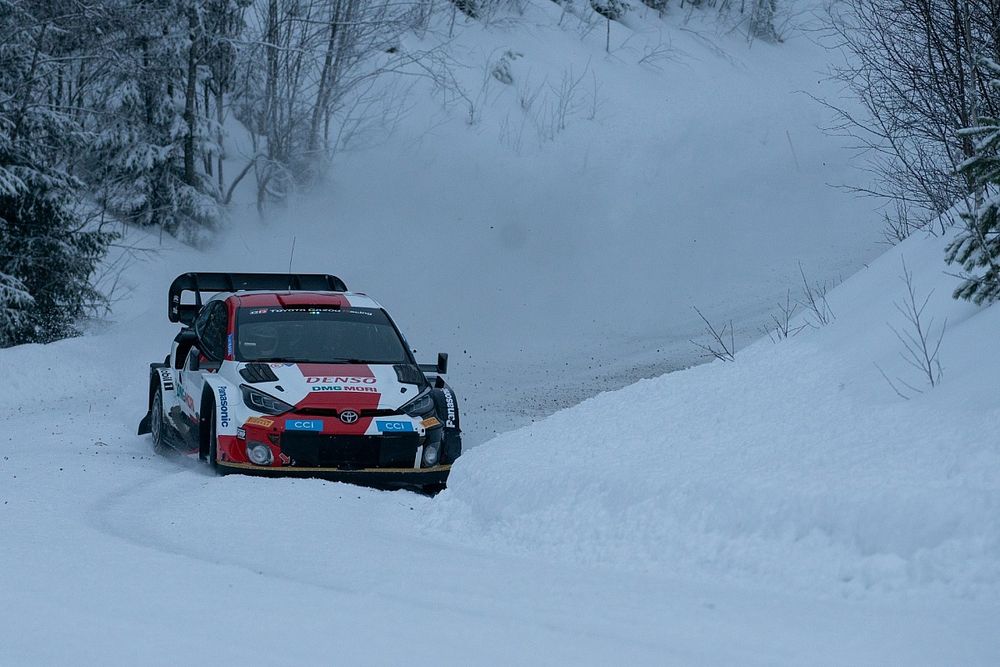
x,y
797,465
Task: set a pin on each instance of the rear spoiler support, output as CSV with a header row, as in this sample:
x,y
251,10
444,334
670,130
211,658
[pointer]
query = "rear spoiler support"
x,y
211,283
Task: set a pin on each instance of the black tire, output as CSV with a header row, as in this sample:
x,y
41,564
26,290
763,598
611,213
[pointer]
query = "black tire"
x,y
158,426
213,442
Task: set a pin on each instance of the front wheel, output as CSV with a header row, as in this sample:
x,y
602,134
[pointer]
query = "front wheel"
x,y
213,442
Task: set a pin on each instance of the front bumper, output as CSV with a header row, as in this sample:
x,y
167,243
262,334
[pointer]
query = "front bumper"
x,y
376,477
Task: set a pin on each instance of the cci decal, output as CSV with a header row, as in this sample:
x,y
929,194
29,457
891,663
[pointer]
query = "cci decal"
x,y
393,426
223,408
229,345
304,424
260,421
449,404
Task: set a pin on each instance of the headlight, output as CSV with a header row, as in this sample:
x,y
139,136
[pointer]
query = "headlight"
x,y
261,402
420,405
432,451
259,453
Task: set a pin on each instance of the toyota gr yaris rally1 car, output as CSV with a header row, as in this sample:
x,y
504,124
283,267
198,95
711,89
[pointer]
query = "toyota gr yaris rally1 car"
x,y
293,375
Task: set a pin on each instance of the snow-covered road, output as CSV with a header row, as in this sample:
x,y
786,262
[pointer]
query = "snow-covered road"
x,y
113,555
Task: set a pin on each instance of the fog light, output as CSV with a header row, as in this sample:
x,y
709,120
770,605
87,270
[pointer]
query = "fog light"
x,y
431,452
259,453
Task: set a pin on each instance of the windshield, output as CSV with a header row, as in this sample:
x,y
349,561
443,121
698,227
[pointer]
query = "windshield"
x,y
318,335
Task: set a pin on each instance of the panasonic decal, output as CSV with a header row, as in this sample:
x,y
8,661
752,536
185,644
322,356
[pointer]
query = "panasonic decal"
x,y
223,408
449,404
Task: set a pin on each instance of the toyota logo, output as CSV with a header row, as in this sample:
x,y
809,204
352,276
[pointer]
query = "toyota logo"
x,y
348,416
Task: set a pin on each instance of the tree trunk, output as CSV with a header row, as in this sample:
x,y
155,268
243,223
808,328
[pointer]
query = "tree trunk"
x,y
325,82
269,124
191,103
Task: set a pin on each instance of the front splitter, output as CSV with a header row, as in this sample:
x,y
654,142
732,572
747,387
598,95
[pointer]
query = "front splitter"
x,y
377,477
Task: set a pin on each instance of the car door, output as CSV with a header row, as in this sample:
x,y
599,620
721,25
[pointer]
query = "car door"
x,y
206,356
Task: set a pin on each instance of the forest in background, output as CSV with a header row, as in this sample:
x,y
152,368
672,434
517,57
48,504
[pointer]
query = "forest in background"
x,y
115,112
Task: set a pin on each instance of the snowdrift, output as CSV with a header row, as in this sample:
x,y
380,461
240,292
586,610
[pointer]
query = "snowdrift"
x,y
796,465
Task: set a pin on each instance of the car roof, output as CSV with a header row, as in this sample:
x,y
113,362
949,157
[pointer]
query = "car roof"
x,y
259,299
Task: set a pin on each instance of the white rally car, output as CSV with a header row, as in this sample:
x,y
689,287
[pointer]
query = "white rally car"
x,y
292,375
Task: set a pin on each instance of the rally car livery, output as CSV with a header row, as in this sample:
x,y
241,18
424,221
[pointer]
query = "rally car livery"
x,y
292,375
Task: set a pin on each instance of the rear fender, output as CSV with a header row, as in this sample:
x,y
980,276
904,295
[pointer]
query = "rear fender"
x,y
159,376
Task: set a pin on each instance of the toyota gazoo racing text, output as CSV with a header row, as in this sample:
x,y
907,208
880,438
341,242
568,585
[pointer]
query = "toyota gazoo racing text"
x,y
293,375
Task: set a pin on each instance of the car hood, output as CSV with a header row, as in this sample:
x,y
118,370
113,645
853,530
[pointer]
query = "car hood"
x,y
336,386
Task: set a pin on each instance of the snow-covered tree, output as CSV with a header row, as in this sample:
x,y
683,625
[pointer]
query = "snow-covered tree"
x,y
150,140
977,246
762,20
912,69
48,253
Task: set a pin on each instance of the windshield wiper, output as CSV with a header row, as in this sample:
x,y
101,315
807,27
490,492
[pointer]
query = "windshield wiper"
x,y
357,361
338,360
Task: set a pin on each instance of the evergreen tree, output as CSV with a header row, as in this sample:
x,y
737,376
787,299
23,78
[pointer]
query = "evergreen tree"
x,y
47,253
148,134
977,247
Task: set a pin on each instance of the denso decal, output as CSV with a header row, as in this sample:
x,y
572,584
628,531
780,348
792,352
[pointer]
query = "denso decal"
x,y
304,424
223,408
337,387
335,379
449,404
393,426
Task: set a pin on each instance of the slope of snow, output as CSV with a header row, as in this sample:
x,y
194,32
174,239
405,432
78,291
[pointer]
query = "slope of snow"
x,y
796,466
787,508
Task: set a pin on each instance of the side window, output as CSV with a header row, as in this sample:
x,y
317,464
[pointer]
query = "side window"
x,y
202,319
213,331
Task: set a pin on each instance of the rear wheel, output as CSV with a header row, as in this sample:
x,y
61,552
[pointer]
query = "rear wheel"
x,y
157,424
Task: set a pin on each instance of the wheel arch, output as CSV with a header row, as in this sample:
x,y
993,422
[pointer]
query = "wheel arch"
x,y
205,412
159,376
218,402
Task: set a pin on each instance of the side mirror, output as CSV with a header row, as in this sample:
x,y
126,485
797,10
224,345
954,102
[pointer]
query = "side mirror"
x,y
194,359
185,340
441,367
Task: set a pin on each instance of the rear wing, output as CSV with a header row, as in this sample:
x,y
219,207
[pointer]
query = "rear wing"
x,y
210,283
